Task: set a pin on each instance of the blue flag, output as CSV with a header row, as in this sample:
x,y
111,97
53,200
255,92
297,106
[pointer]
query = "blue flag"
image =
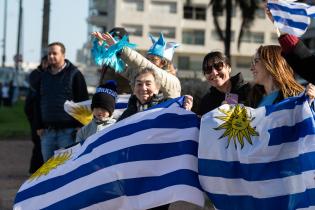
x,y
291,17
144,161
259,158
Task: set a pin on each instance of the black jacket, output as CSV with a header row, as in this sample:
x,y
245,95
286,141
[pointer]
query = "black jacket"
x,y
53,96
214,97
32,97
302,61
133,108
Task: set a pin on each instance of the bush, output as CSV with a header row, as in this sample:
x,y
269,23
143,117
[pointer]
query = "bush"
x,y
13,122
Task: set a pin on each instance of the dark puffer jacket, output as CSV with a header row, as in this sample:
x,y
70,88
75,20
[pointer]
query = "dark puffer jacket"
x,y
214,97
68,84
299,57
133,105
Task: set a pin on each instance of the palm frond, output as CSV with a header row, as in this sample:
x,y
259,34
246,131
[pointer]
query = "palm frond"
x,y
248,9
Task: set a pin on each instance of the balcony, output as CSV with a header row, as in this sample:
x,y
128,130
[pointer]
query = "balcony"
x,y
98,20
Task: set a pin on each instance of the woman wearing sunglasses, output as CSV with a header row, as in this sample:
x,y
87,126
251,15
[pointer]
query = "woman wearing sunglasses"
x,y
224,88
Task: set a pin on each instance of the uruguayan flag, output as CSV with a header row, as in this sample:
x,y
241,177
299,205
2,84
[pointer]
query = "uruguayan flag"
x,y
291,17
143,161
82,112
262,159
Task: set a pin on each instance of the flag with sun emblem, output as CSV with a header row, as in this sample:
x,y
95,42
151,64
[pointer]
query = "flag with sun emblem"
x,y
144,161
82,112
259,158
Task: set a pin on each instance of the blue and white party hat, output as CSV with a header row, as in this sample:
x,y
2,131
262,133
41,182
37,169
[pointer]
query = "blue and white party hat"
x,y
162,48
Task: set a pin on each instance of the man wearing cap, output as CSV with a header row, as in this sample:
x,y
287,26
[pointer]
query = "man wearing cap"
x,y
103,105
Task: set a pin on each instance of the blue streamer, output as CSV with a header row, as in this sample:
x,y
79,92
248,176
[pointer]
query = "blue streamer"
x,y
104,55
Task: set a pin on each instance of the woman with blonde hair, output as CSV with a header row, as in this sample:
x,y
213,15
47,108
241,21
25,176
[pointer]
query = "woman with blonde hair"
x,y
273,77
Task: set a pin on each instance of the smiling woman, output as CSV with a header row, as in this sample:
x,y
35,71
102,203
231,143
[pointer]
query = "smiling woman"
x,y
273,77
217,69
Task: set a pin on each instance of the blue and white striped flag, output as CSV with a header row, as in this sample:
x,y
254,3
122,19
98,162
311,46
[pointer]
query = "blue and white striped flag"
x,y
259,158
291,17
144,161
82,112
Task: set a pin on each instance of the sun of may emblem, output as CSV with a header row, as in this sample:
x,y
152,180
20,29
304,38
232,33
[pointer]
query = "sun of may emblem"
x,y
51,164
236,125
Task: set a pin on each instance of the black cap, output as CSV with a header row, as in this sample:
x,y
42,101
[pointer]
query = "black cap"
x,y
105,97
118,32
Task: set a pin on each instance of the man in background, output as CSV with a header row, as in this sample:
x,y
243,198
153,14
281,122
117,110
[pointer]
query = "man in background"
x,y
62,81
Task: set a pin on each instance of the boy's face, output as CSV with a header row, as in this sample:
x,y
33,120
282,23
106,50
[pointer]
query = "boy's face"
x,y
100,113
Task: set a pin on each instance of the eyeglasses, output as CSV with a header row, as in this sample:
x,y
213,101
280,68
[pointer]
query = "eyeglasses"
x,y
218,66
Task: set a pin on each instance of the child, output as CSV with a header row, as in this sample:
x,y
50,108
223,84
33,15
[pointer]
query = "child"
x,y
103,105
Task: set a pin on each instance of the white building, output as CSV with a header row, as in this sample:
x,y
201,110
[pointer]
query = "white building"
x,y
191,26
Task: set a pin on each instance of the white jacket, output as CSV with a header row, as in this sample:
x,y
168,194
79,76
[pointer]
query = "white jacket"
x,y
170,84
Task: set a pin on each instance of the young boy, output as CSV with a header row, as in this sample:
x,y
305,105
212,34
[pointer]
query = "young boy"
x,y
103,105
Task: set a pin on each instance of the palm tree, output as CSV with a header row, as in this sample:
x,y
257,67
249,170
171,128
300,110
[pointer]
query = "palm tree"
x,y
248,9
45,27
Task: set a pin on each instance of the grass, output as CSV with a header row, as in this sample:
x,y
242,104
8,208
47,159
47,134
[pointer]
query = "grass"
x,y
13,122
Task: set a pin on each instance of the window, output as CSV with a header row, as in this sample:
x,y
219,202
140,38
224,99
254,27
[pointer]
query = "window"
x,y
274,37
196,65
183,63
215,35
160,7
133,5
194,13
243,62
135,30
200,13
195,37
188,12
260,13
258,37
168,32
253,37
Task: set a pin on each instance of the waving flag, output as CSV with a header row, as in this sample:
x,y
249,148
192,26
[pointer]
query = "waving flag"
x,y
82,112
291,17
144,161
259,158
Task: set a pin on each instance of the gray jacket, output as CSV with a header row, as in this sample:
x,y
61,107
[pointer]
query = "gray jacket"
x,y
91,129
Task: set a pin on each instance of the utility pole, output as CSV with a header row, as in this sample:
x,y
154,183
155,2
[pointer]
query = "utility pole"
x,y
4,32
45,28
18,56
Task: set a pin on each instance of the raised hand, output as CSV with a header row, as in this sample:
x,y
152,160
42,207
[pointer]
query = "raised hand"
x,y
188,102
104,37
310,91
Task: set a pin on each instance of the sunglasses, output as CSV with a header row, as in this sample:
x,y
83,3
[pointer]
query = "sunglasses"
x,y
217,66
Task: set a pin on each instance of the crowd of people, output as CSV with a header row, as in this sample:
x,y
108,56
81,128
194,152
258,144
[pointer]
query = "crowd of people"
x,y
153,80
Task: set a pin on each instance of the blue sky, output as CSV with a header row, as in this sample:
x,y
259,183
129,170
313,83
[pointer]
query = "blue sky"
x,y
67,24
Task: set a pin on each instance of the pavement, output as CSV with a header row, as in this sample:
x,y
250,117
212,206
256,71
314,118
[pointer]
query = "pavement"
x,y
14,162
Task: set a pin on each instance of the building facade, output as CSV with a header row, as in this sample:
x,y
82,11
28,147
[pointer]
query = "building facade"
x,y
189,23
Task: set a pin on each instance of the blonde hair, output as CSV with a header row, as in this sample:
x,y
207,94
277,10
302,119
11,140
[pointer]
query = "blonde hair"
x,y
282,74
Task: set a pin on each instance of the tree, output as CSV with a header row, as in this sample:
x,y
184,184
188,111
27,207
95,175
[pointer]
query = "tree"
x,y
248,9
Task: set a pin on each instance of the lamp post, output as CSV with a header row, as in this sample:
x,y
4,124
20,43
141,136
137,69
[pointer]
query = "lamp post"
x,y
4,32
18,56
45,29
